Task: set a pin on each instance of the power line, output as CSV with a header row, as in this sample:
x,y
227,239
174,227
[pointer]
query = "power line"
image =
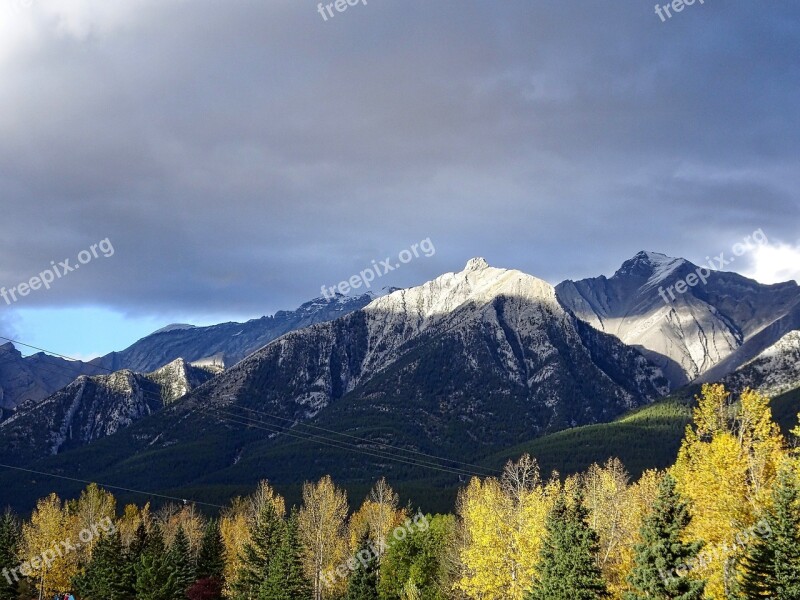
x,y
340,444
349,446
105,485
367,440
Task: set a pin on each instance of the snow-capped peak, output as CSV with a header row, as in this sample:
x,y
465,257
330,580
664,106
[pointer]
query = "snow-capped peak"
x,y
476,264
477,284
654,266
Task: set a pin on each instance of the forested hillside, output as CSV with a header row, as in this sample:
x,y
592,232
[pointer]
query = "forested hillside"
x,y
721,521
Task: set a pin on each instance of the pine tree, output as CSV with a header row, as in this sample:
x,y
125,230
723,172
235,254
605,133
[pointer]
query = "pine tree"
x,y
286,579
363,583
661,551
155,576
771,568
106,576
211,558
180,559
568,560
258,553
10,536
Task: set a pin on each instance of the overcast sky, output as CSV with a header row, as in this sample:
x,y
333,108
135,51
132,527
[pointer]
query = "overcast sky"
x,y
240,154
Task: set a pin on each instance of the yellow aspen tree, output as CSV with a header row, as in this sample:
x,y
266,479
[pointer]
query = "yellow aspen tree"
x,y
49,534
639,501
322,527
265,493
94,511
172,517
128,524
379,514
502,525
606,498
725,469
235,529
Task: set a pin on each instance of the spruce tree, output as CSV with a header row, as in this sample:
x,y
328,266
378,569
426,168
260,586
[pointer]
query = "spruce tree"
x,y
180,559
258,553
131,557
9,555
661,551
211,558
286,579
155,576
771,568
363,584
568,567
106,576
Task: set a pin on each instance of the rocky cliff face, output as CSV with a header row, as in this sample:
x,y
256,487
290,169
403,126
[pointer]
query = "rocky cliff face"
x,y
775,371
91,408
34,377
707,331
485,352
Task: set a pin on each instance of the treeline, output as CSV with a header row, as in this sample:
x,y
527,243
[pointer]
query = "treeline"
x,y
722,522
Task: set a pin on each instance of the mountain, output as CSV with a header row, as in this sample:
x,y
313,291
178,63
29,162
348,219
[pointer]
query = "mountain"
x,y
460,354
38,376
91,408
227,343
707,331
452,370
773,372
34,377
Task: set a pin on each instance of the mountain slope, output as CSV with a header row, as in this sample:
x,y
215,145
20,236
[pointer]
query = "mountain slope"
x,y
773,372
723,323
34,377
461,346
227,343
91,408
457,368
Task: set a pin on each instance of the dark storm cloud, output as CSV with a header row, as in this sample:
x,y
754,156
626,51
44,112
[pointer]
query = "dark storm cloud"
x,y
241,154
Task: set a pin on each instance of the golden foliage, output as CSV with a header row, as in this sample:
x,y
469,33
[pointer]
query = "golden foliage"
x,y
503,526
725,468
322,531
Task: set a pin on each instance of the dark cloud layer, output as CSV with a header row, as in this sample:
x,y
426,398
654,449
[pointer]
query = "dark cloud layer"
x,y
240,154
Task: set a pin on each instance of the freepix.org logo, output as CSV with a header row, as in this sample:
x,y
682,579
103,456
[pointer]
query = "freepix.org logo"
x,y
326,10
57,271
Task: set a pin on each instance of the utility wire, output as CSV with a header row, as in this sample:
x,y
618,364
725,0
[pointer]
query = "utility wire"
x,y
340,444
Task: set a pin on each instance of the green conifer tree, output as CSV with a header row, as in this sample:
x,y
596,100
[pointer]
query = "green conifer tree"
x,y
9,555
211,558
771,568
156,578
363,584
286,579
180,559
568,568
107,576
258,553
662,551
